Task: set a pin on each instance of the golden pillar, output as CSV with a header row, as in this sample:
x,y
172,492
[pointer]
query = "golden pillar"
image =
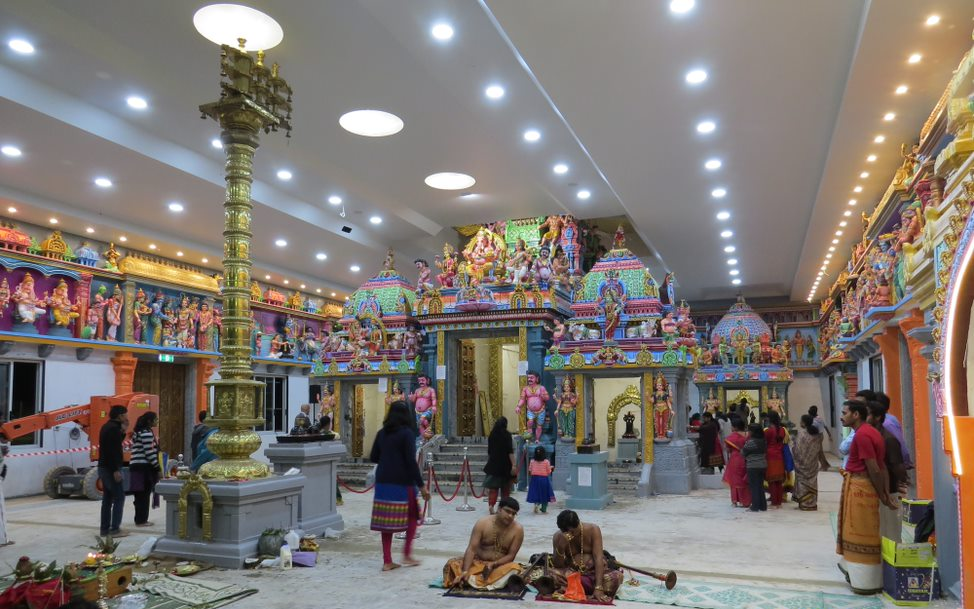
x,y
252,99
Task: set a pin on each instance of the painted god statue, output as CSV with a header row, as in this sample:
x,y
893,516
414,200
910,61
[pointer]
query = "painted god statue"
x,y
776,404
543,271
555,225
425,281
63,311
447,264
424,404
534,396
205,328
27,306
629,419
113,313
111,256
140,316
519,263
662,406
395,394
561,268
326,403
798,346
485,255
567,403
668,325
4,296
558,332
911,226
711,404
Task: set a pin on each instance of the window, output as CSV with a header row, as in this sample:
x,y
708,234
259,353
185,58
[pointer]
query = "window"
x,y
275,403
21,394
876,373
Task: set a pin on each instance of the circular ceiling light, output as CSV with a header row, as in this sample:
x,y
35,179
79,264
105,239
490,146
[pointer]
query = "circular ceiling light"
x,y
267,277
732,261
832,248
914,58
90,230
103,183
560,169
852,202
723,215
20,46
736,281
371,123
712,164
584,195
706,126
494,92
727,234
441,31
281,243
879,139
284,175
179,254
152,246
321,256
871,158
176,207
857,189
302,286
11,210
718,193
681,7
734,272
843,224
532,135
838,233
695,77
375,220
229,23
53,220
123,239
335,200
864,174
449,180
933,20
900,90
354,268
287,281
318,290
889,116
216,143
204,260
11,151
835,241
730,249
847,213
136,103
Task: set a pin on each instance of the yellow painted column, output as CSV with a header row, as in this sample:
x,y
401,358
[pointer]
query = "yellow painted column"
x,y
648,430
522,379
440,383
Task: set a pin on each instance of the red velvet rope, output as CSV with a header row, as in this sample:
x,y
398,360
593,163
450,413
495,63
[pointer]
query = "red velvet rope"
x,y
348,488
466,464
436,484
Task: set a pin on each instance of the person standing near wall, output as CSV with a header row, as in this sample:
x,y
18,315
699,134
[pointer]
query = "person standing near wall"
x,y
823,429
110,462
500,468
199,432
755,458
889,520
144,470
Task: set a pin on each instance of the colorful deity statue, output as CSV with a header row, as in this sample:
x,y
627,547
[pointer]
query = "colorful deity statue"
x,y
424,404
425,281
519,263
111,256
326,403
447,266
255,293
96,312
684,322
295,301
140,316
411,339
169,321
27,306
184,323
619,239
798,346
542,269
534,396
662,406
156,318
911,226
611,309
204,328
554,224
4,296
558,331
561,269
776,404
711,404
63,311
668,325
485,257
882,294
395,394
113,313
567,402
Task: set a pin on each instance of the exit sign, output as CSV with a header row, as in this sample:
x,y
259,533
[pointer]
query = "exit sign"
x,y
167,358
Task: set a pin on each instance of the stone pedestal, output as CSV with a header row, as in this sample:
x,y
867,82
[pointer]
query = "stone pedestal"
x,y
627,449
675,470
241,512
318,463
589,485
564,450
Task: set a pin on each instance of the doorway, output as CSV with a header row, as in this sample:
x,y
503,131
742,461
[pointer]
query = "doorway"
x,y
486,384
168,381
21,394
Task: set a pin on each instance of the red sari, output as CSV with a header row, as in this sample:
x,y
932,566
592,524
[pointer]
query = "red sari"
x,y
774,437
735,474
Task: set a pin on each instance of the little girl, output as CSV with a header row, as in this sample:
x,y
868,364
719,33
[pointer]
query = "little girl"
x,y
540,491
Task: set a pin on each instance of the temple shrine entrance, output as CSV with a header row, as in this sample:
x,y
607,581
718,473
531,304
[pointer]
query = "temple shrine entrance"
x,y
487,383
168,381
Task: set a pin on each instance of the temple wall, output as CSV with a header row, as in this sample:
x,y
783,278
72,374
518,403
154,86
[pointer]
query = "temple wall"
x,y
606,390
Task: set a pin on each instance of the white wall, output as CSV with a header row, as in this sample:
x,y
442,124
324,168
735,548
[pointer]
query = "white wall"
x,y
297,394
66,381
511,388
804,391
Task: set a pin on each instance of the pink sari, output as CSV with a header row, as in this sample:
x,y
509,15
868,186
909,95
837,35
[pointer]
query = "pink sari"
x,y
735,474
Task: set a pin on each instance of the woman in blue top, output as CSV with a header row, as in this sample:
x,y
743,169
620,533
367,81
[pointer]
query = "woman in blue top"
x,y
397,475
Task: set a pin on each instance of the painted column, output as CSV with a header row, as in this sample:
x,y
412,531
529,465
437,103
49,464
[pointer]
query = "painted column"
x,y
124,364
128,327
962,467
889,348
917,338
440,385
581,391
677,379
204,370
649,431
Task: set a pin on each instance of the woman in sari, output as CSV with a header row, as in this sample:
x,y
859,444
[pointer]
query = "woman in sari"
x,y
735,474
807,448
775,437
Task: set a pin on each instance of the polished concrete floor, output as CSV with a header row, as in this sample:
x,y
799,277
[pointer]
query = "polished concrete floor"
x,y
700,536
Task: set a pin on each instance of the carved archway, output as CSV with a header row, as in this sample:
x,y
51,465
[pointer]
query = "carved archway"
x,y
629,397
194,483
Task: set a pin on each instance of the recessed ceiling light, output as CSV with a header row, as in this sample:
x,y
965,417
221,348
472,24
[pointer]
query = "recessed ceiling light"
x,y
834,241
730,249
123,239
889,116
900,90
281,243
302,286
723,215
448,180
267,277
53,220
335,200
229,23
695,77
681,7
103,183
734,272
89,230
11,151
532,135
852,202
354,268
21,46
584,195
179,254
712,164
152,246
914,58
879,139
11,210
706,126
871,158
318,290
136,103
494,91
375,220
332,294
718,193
441,31
727,234
736,281
847,213
287,282
838,233
284,174
216,143
176,207
832,249
371,123
933,20
843,224
857,189
321,256
205,260
732,261
829,256
560,169
864,174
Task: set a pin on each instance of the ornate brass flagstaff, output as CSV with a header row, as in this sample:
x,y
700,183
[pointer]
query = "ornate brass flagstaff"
x,y
251,98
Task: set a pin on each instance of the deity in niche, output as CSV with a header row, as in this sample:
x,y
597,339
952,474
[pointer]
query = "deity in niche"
x,y
567,403
27,306
326,403
534,396
184,323
395,394
776,404
96,313
425,281
542,266
140,317
629,419
798,346
482,257
519,263
662,406
113,313
711,404
447,266
424,404
63,311
204,337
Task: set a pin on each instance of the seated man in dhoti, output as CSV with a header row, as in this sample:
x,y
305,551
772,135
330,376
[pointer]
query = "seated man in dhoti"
x,y
578,549
488,563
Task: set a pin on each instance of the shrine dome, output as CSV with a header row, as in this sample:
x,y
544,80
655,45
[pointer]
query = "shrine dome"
x,y
740,317
619,266
387,294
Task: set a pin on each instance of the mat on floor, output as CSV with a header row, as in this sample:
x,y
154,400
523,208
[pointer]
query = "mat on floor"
x,y
470,593
705,595
195,592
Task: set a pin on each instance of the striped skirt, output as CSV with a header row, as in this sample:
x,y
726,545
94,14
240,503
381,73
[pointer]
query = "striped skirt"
x,y
392,507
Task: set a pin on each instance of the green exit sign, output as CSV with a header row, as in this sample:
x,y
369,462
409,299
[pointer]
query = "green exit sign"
x,y
167,358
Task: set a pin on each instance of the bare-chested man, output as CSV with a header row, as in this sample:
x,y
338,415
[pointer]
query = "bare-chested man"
x,y
488,563
578,548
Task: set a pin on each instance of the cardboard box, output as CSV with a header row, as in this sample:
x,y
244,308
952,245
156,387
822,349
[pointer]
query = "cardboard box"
x,y
908,533
915,509
910,586
908,554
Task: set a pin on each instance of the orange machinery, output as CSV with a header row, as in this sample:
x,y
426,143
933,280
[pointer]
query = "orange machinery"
x,y
64,481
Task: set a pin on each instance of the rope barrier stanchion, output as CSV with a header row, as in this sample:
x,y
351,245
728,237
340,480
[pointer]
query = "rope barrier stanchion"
x,y
344,485
429,519
465,471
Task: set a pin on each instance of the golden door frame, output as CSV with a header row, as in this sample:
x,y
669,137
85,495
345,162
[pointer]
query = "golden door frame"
x,y
630,397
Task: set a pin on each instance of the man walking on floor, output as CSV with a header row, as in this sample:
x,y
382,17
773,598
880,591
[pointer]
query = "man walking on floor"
x,y
110,462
